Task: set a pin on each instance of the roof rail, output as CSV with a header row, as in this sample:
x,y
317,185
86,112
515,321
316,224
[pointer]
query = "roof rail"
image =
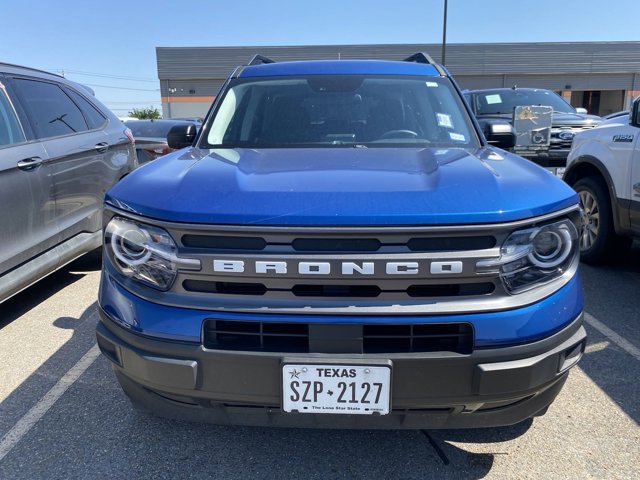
x,y
260,60
30,68
422,57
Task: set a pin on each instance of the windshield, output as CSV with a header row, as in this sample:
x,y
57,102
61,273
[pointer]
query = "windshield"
x,y
504,101
340,110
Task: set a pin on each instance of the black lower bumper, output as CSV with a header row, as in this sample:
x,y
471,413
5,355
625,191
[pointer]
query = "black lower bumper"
x,y
490,387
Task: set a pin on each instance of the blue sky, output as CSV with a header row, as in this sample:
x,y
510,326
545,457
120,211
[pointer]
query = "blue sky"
x,y
96,42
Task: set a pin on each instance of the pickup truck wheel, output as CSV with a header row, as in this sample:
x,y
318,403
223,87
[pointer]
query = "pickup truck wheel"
x,y
598,239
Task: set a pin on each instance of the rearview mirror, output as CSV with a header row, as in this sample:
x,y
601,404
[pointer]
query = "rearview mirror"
x,y
582,111
181,136
499,134
635,113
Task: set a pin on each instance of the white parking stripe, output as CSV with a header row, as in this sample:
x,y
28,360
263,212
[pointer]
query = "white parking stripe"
x,y
613,336
26,423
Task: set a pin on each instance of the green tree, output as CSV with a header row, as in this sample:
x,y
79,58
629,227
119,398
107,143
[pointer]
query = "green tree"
x,y
150,113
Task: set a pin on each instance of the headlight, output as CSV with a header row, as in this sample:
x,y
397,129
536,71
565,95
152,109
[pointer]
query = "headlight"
x,y
532,257
142,252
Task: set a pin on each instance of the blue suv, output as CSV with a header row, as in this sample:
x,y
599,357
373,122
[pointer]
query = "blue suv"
x,y
340,246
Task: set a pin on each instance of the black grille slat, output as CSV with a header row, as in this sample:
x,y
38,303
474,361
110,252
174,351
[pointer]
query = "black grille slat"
x,y
373,338
336,244
229,288
455,337
450,244
451,290
331,290
223,242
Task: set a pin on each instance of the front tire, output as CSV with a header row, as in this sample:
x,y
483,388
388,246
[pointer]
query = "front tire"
x,y
598,239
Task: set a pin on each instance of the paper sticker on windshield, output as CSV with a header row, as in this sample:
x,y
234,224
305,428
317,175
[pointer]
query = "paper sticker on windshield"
x,y
458,137
444,120
431,84
493,98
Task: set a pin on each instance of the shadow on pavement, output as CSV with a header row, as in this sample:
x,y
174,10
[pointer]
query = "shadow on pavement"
x,y
38,383
45,288
612,296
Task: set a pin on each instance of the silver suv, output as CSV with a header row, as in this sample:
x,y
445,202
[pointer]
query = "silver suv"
x,y
60,150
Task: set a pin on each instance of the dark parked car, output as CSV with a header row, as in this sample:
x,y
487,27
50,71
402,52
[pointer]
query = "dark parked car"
x,y
60,150
151,136
496,106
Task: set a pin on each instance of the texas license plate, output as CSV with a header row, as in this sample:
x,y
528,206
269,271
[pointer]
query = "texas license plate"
x,y
346,389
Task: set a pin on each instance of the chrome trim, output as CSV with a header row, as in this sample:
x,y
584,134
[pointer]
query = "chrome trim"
x,y
293,230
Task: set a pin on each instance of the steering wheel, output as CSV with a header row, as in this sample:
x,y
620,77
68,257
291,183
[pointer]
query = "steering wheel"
x,y
398,134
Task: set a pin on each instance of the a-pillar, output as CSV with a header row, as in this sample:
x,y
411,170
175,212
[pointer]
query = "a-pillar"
x,y
629,96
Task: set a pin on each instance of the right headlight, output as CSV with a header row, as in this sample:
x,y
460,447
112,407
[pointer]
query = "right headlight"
x,y
535,256
144,253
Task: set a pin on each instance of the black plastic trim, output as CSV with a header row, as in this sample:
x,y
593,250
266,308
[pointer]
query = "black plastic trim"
x,y
429,389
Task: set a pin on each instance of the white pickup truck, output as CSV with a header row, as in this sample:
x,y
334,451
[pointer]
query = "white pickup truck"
x,y
604,168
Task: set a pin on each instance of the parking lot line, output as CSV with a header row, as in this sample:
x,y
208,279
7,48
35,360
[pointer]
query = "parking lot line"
x,y
26,423
613,336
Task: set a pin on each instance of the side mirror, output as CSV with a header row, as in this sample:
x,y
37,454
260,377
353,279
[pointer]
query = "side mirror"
x,y
181,136
635,113
582,111
499,134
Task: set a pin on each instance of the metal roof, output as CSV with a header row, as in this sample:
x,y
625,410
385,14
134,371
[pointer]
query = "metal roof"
x,y
462,59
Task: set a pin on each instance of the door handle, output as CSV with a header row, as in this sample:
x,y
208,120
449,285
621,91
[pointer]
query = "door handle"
x,y
29,163
102,147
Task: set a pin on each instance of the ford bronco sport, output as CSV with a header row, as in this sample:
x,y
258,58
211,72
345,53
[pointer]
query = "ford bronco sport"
x,y
340,247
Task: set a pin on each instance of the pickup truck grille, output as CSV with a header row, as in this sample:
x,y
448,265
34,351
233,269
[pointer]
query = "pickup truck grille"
x,y
337,338
558,143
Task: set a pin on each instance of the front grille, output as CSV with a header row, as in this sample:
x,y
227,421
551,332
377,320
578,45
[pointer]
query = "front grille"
x,y
337,338
557,143
335,270
408,271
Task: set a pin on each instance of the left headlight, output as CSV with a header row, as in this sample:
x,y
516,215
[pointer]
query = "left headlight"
x,y
535,256
141,252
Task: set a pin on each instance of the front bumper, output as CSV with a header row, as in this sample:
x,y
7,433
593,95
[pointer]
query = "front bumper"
x,y
490,387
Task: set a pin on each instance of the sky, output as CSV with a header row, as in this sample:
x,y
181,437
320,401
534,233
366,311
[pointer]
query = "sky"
x,y
110,45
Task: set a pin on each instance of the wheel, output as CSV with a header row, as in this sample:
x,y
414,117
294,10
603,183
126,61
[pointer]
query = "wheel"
x,y
598,239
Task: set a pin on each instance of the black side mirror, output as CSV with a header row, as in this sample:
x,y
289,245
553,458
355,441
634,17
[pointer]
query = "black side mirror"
x,y
181,136
499,134
635,113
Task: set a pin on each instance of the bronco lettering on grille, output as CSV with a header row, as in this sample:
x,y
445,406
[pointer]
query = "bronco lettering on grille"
x,y
341,268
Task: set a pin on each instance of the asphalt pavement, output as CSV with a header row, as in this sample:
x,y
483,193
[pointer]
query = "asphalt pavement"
x,y
63,415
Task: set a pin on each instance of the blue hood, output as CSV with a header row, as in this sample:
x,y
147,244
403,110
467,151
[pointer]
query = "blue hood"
x,y
341,186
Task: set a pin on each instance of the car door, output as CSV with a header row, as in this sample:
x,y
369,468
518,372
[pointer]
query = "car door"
x,y
75,150
634,207
26,190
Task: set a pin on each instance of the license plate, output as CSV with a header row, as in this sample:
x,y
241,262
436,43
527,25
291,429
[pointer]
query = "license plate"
x,y
343,389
